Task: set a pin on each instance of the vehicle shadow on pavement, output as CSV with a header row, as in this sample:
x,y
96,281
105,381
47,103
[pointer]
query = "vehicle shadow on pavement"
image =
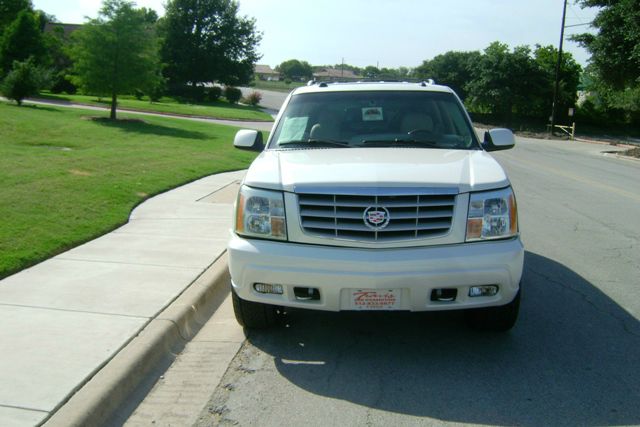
x,y
572,359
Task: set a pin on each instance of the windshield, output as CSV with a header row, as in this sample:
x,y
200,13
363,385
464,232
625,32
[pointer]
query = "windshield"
x,y
374,119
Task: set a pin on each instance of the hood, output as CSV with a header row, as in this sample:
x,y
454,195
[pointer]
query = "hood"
x,y
288,170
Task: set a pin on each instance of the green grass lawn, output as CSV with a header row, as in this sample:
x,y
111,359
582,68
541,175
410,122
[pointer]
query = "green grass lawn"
x,y
219,109
66,178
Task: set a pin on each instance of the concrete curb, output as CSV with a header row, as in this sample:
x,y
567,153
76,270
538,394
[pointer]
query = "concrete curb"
x,y
617,155
156,345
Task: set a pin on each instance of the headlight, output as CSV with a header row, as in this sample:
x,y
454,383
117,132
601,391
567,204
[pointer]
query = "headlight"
x,y
492,215
260,213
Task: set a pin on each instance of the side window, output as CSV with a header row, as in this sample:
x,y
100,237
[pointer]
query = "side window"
x,y
456,121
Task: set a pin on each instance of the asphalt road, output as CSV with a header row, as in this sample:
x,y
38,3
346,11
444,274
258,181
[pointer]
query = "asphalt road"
x,y
271,100
572,359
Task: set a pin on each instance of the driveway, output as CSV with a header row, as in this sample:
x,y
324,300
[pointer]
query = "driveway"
x,y
271,100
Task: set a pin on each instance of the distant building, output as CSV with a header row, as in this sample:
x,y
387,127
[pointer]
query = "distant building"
x,y
265,72
66,29
335,74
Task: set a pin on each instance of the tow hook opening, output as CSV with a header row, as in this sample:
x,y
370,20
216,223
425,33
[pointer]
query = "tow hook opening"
x,y
306,294
444,295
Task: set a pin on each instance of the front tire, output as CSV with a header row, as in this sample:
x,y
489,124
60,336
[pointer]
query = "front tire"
x,y
253,315
498,319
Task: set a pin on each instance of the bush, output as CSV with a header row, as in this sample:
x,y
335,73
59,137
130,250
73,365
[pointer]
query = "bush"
x,y
196,93
156,92
287,81
138,94
254,98
24,80
233,94
62,84
214,93
177,90
156,89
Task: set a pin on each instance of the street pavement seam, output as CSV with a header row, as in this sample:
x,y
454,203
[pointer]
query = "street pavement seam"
x,y
219,189
23,408
72,311
176,267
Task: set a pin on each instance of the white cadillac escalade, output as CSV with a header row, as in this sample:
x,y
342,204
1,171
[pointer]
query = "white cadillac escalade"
x,y
376,196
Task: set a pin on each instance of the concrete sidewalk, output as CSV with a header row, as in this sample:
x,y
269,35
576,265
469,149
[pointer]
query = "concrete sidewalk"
x,y
65,318
244,124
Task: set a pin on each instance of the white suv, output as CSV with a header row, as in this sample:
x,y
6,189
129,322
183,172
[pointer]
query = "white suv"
x,y
376,196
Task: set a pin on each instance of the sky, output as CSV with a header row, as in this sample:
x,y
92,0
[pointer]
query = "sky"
x,y
386,33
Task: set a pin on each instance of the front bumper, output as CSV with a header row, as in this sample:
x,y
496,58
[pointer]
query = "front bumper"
x,y
335,271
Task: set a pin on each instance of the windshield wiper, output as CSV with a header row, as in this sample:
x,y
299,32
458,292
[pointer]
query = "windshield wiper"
x,y
330,142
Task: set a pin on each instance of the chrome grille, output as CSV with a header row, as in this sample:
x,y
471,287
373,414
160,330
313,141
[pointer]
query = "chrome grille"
x,y
341,216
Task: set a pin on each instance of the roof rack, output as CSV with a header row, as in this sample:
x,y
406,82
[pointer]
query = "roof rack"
x,y
324,83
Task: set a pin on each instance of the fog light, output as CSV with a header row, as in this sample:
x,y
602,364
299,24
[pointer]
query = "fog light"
x,y
306,294
483,291
266,288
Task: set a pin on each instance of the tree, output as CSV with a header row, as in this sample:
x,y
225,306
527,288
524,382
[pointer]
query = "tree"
x,y
22,39
9,10
454,69
405,72
356,70
505,82
546,58
295,70
24,79
206,41
150,15
371,72
615,52
115,53
57,43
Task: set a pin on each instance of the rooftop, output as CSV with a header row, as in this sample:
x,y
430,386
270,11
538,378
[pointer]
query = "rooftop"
x,y
67,29
335,73
264,69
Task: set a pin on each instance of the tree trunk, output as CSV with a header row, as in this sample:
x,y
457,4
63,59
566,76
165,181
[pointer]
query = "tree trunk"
x,y
114,103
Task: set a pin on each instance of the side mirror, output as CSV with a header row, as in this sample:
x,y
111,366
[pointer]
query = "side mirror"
x,y
498,139
248,140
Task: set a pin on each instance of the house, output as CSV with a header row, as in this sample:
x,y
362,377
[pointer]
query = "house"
x,y
329,73
64,29
265,72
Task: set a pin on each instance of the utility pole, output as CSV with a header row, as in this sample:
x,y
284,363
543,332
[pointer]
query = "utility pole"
x,y
556,88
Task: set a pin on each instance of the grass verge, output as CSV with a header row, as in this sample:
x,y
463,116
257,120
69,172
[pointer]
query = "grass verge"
x,y
67,177
217,110
634,152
